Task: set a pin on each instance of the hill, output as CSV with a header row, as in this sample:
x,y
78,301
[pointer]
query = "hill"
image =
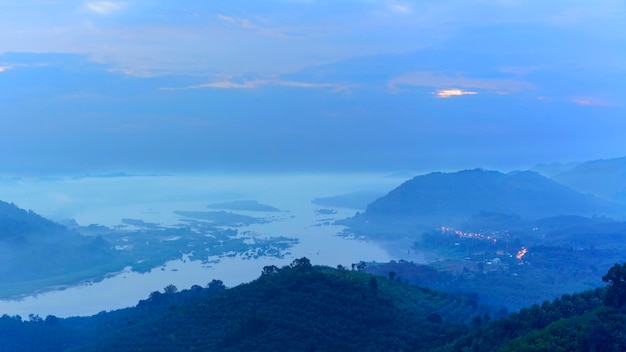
x,y
311,308
306,308
37,252
356,200
438,199
295,308
605,178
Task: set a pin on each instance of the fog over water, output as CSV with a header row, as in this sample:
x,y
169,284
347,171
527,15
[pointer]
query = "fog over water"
x,y
105,201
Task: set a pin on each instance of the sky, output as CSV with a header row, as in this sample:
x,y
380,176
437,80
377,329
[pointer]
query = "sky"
x,y
308,85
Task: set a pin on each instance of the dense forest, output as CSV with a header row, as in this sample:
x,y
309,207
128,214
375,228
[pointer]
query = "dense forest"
x,y
302,307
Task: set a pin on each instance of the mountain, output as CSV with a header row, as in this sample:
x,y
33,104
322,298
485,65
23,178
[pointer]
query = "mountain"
x,y
306,308
577,322
605,178
549,170
36,250
438,199
356,200
301,307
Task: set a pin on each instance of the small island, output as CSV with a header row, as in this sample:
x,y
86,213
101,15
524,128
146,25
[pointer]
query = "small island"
x,y
245,205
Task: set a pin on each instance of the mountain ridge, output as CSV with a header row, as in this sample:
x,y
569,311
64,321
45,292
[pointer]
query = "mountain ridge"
x,y
436,197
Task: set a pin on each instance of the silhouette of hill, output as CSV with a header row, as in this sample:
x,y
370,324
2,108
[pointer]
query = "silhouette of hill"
x,y
443,198
356,200
34,248
549,170
605,178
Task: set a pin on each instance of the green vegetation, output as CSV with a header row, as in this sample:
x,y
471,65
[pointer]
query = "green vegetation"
x,y
470,227
302,307
34,250
221,218
555,261
40,255
295,308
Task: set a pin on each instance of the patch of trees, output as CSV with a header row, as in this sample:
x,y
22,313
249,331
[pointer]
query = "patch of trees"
x,y
302,307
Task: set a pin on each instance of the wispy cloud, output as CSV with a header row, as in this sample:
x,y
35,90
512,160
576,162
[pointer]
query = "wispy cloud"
x,y
586,101
400,8
241,22
248,24
457,82
252,84
454,92
104,7
5,68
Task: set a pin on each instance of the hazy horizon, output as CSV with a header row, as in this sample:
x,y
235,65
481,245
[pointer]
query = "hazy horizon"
x,y
154,87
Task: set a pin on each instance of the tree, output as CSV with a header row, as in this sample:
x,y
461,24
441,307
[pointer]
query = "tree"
x,y
217,285
360,266
616,290
270,270
170,289
373,284
302,264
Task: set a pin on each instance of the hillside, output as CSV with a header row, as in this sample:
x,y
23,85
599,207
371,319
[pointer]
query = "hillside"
x,y
438,199
605,178
295,308
37,252
301,307
306,308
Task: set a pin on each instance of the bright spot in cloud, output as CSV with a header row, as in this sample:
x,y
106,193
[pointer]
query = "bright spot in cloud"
x,y
455,92
4,68
436,80
104,7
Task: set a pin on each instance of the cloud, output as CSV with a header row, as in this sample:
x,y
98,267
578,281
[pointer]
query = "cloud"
x,y
104,7
248,24
445,82
229,84
5,68
447,93
589,102
242,22
400,8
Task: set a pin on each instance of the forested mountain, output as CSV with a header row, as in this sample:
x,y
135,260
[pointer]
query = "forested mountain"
x,y
439,198
34,248
295,308
306,308
605,178
310,308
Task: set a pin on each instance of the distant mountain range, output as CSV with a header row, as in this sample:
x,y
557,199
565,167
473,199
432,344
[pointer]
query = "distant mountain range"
x,y
604,178
443,198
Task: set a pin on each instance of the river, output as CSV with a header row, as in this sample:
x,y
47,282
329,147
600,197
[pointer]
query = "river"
x,y
107,200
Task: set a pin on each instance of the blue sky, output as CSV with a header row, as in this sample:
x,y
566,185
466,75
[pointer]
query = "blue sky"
x,y
306,85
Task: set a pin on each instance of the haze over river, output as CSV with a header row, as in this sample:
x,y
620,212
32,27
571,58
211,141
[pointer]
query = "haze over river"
x,y
107,200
